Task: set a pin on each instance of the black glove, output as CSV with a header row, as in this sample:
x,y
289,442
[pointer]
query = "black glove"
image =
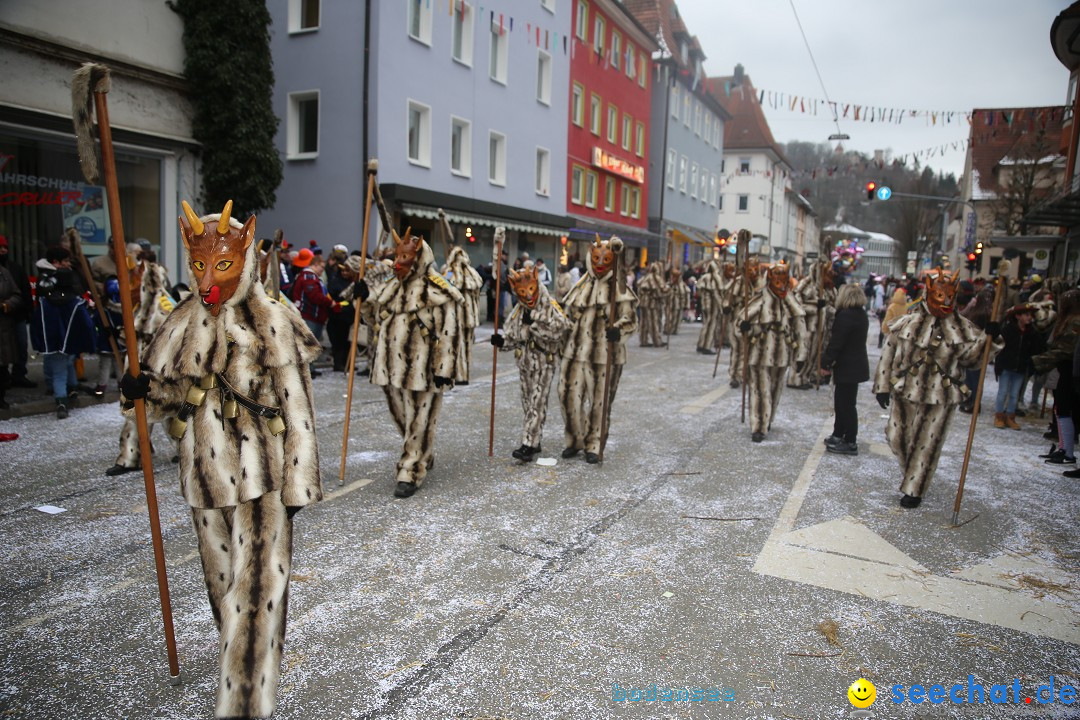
x,y
726,311
799,365
135,388
360,290
291,510
744,327
993,329
883,400
821,303
526,317
498,341
441,381
613,335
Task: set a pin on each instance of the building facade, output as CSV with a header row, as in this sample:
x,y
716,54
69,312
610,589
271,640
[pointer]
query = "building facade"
x,y
609,128
42,190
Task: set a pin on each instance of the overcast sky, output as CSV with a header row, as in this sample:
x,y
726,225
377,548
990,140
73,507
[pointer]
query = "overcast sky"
x,y
947,55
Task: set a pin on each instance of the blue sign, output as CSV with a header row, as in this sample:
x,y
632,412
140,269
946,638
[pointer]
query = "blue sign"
x,y
884,192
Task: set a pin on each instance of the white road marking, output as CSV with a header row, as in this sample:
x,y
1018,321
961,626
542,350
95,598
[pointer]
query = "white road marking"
x,y
846,556
70,607
698,406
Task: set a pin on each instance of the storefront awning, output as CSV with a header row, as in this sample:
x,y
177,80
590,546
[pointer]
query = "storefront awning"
x,y
432,213
631,237
1026,242
1063,211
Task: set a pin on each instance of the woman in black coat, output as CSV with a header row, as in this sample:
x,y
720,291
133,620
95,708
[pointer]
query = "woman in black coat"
x,y
845,359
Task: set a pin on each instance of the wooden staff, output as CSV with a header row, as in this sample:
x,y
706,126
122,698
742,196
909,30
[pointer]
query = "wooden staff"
x,y
444,235
995,315
723,326
275,258
611,348
744,247
106,321
500,236
95,78
372,169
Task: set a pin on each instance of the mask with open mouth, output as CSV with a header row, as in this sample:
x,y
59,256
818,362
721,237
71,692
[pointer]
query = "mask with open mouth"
x,y
526,285
941,286
406,250
779,280
602,257
217,250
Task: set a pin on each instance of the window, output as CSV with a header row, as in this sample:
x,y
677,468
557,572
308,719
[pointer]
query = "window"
x,y
419,134
616,49
624,200
686,100
609,195
303,125
639,140
693,180
672,158
590,188
577,99
713,184
627,129
499,54
581,25
704,193
635,202
697,118
707,133
577,186
675,101
419,16
612,124
543,171
744,166
460,146
303,15
631,62
744,203
594,113
543,77
497,158
723,162
716,134
720,202
548,5
683,162
461,42
643,70
599,30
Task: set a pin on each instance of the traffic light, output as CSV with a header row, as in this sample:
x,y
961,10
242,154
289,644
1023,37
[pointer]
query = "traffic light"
x,y
469,235
972,261
721,240
979,247
870,188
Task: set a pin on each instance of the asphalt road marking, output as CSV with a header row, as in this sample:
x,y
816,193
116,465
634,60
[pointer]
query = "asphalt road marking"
x,y
846,556
698,406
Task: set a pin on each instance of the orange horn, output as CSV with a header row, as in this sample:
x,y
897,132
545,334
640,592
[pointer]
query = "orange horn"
x,y
223,223
192,218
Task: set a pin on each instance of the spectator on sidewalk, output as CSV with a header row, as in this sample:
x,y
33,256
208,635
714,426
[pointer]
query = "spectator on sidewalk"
x,y
1058,357
11,307
61,327
845,359
1022,342
17,317
309,294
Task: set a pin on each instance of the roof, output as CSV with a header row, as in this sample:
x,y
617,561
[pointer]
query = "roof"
x,y
747,129
1001,135
663,20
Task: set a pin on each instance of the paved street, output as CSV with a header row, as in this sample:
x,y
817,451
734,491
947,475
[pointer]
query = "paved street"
x,y
691,558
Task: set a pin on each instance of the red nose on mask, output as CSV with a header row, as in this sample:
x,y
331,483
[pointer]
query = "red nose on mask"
x,y
214,295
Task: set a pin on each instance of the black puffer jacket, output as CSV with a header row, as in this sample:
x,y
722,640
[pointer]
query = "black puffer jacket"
x,y
1019,348
846,353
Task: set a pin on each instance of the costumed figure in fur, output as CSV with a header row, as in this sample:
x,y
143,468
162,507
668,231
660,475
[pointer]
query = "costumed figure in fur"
x,y
736,295
534,331
816,293
709,296
229,366
921,375
652,294
677,302
462,275
585,352
415,316
376,274
773,326
152,303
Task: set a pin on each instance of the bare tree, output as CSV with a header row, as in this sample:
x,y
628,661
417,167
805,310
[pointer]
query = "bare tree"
x,y
1026,177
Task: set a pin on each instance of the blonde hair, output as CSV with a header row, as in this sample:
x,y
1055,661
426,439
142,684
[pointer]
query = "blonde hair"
x,y
850,296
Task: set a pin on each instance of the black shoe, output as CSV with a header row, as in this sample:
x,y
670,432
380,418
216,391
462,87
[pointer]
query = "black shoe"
x,y
175,459
966,409
528,453
61,411
833,440
4,404
910,501
1050,435
843,448
119,470
316,373
1020,413
591,458
570,452
647,345
1072,473
23,382
461,382
1060,458
364,373
758,436
706,351
404,490
1053,449
520,453
733,384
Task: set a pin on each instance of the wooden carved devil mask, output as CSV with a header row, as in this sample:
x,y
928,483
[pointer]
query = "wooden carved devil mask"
x,y
602,256
941,288
779,280
405,253
216,251
526,285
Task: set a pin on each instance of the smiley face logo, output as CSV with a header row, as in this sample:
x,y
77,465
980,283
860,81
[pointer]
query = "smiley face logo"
x,y
862,693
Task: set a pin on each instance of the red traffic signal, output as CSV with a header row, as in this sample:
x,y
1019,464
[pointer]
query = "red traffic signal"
x,y
972,257
870,188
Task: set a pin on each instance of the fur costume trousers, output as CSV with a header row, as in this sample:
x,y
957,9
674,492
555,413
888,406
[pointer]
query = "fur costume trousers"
x,y
536,370
809,368
246,553
916,433
130,456
650,325
581,394
673,310
415,414
735,360
710,321
765,387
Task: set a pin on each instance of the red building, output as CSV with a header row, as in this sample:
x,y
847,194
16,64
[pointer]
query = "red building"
x,y
608,138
